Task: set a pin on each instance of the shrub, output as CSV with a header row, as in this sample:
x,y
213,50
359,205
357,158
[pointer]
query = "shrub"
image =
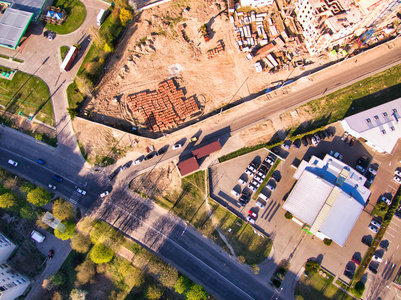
x,y
66,233
78,294
7,200
80,243
327,242
85,271
288,215
134,278
108,47
38,197
197,293
241,259
183,284
125,16
26,212
58,279
358,289
154,292
101,254
312,267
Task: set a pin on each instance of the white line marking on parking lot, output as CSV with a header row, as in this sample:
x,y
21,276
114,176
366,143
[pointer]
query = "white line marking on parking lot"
x,y
392,229
389,234
395,224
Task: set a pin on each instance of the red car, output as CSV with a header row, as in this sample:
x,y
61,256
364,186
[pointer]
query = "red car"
x,y
356,261
252,217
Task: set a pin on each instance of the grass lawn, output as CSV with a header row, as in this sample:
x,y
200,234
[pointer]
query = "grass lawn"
x,y
319,288
76,14
74,96
64,51
28,94
360,96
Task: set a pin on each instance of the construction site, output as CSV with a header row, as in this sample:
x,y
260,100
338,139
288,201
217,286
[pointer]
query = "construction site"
x,y
187,59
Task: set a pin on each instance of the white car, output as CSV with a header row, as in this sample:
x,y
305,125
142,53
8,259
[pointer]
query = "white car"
x,y
269,161
104,194
177,146
260,204
82,192
241,181
249,172
375,223
264,197
53,187
377,258
257,178
387,200
398,173
138,161
373,171
252,187
252,168
12,162
373,228
314,141
261,175
251,220
397,178
235,193
255,183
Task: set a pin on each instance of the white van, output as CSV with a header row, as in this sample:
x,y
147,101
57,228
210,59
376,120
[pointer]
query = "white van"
x,y
37,236
264,197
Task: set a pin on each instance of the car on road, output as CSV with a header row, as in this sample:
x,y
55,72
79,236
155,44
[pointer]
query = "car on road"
x,y
375,223
252,217
260,204
13,162
50,254
50,186
241,181
235,193
57,178
177,146
386,200
270,187
123,168
40,161
252,187
138,161
249,172
104,194
397,178
82,192
356,261
373,228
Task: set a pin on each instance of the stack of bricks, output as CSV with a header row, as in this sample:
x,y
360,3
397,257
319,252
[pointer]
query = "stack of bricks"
x,y
213,52
163,109
182,34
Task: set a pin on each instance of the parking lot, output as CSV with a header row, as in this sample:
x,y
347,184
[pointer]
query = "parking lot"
x,y
287,235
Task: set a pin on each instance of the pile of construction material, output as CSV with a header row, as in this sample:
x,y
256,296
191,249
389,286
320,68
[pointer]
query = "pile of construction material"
x,y
163,109
213,52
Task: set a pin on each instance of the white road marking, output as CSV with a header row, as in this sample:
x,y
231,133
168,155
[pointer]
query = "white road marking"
x,y
389,234
392,229
395,224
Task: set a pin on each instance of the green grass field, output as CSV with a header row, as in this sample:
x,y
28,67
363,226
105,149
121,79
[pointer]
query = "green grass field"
x,y
27,94
63,52
76,14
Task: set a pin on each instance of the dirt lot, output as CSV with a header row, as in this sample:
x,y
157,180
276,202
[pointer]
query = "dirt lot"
x,y
156,52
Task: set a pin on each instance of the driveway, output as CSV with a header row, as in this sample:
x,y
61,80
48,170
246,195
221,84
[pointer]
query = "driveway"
x,y
61,250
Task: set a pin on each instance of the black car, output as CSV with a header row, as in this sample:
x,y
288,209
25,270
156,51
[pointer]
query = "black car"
x,y
308,139
366,241
264,169
384,244
276,177
304,141
349,274
50,254
243,200
326,134
321,135
150,155
297,143
111,176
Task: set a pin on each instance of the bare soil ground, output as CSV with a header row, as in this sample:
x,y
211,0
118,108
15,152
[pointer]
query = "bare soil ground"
x,y
258,134
155,52
296,117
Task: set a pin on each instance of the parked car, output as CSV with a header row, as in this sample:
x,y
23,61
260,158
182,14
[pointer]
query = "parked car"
x,y
321,135
193,139
249,172
262,174
251,217
360,169
138,161
258,179
241,181
372,170
40,161
317,138
331,134
344,136
269,161
243,200
252,168
255,183
352,141
397,178
386,200
104,194
304,141
372,269
111,176
314,141
377,258
373,228
270,187
50,186
177,146
286,145
260,204
384,244
263,169
50,254
252,187
150,155
58,178
366,241
13,162
308,139
297,143
397,172
356,261
276,177
375,223
82,192
235,193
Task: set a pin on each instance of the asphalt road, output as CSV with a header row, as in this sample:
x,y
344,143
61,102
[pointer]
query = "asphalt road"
x,y
190,252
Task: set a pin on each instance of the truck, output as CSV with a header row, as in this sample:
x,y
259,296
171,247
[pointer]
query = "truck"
x,y
69,58
101,16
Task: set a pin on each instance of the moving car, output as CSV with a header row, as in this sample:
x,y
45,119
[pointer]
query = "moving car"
x,y
12,162
58,178
40,161
50,254
82,192
104,194
53,187
177,146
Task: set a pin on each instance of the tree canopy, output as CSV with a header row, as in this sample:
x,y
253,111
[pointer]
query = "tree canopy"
x,y
63,210
182,285
67,233
80,243
7,200
197,293
38,196
101,254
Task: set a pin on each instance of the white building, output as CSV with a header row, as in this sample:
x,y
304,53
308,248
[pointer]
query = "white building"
x,y
256,3
328,198
379,126
12,284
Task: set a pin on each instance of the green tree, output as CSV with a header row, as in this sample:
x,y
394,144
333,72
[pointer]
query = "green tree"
x,y
66,233
134,278
255,269
80,243
197,293
168,276
7,200
183,284
73,112
125,16
26,212
63,210
153,292
312,267
101,254
85,271
108,47
288,215
358,289
58,278
38,196
241,259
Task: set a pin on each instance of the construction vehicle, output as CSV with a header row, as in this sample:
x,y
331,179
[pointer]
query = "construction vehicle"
x,y
205,32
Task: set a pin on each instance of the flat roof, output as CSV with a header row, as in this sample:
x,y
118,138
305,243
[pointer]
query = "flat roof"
x,y
33,6
207,149
188,166
13,25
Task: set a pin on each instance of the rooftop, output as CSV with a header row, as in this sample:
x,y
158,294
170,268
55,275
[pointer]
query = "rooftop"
x,y
188,166
13,25
207,149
